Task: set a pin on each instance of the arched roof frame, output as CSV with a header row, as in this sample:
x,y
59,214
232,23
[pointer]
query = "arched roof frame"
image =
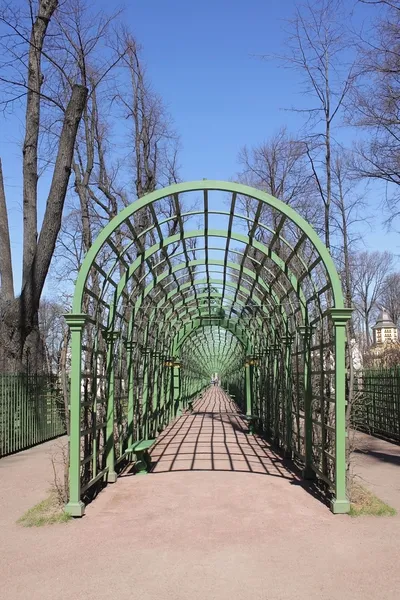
x,y
206,186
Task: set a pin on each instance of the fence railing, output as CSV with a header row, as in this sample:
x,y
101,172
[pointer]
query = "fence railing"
x,y
31,411
377,402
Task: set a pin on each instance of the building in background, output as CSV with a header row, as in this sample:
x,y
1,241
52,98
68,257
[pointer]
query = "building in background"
x,y
384,330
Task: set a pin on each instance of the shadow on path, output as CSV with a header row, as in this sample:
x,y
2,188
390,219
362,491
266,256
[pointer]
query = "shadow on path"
x,y
383,456
214,437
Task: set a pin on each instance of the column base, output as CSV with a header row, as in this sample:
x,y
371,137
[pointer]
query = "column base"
x,y
75,509
112,477
340,507
308,473
287,454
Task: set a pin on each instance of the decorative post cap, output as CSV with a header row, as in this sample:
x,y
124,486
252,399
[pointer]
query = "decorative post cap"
x,y
75,321
340,316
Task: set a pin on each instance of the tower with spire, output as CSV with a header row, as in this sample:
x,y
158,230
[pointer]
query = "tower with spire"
x,y
384,330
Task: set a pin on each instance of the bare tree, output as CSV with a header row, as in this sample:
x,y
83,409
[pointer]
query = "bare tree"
x,y
19,317
348,210
318,49
375,105
390,296
370,270
52,329
279,167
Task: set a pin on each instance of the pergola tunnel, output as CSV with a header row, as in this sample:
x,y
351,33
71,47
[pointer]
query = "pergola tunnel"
x,y
201,279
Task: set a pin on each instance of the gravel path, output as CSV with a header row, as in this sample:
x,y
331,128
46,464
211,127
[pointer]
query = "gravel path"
x,y
221,517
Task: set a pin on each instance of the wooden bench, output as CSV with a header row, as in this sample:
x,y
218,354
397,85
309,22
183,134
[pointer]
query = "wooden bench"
x,y
141,449
252,421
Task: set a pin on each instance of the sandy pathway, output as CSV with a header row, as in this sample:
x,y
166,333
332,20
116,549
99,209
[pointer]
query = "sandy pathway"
x,y
221,517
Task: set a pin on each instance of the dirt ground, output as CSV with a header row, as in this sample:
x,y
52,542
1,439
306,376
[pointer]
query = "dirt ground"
x,y
221,517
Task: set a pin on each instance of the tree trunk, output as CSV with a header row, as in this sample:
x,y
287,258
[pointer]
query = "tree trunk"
x,y
20,346
6,272
32,127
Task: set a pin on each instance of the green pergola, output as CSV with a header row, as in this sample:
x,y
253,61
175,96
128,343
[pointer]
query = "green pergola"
x,y
201,278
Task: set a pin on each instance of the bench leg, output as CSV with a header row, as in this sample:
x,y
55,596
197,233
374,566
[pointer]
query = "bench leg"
x,y
143,462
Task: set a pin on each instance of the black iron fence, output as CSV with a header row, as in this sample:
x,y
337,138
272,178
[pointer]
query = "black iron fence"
x,y
31,411
376,407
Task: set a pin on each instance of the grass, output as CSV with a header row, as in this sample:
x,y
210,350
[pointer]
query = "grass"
x,y
47,512
364,502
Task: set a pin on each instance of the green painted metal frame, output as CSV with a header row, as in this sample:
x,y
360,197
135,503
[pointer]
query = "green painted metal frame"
x,y
156,296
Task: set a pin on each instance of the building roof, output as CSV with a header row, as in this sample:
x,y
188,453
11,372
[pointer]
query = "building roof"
x,y
384,320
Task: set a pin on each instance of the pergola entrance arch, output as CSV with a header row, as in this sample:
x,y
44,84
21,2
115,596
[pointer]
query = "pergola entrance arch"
x,y
196,278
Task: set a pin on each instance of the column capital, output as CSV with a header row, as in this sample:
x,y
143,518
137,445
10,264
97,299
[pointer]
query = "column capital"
x,y
340,316
76,321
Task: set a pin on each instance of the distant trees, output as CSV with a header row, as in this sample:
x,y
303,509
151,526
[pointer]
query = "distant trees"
x,y
53,330
279,166
318,46
390,296
345,80
370,271
375,105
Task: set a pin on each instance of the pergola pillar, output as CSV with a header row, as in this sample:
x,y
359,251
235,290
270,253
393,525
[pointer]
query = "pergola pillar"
x,y
308,471
111,337
75,507
287,341
130,346
176,383
340,316
249,387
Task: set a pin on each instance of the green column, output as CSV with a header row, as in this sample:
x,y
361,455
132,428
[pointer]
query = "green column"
x,y
269,391
176,382
340,504
308,471
145,396
131,411
249,399
163,383
111,336
287,341
275,349
171,392
155,406
75,506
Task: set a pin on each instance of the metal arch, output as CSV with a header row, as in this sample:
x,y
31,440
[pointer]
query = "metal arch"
x,y
216,186
188,235
196,324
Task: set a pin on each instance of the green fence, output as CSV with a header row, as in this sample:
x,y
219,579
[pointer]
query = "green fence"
x,y
31,411
377,403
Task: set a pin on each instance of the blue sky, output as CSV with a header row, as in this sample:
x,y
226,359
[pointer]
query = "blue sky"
x,y
203,59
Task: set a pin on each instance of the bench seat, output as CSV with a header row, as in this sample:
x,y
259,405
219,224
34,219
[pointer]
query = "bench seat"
x,y
141,449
